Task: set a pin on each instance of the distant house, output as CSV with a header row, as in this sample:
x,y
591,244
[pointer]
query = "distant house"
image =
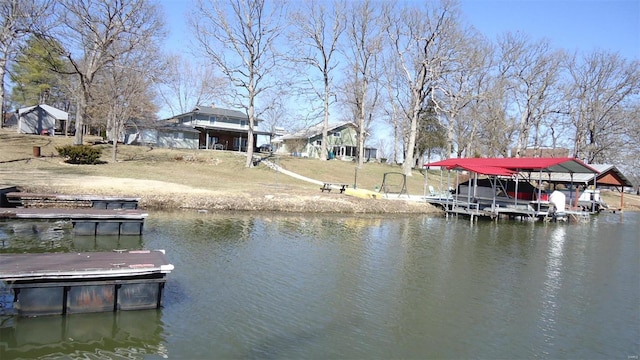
x,y
543,152
218,128
39,119
342,142
608,175
161,134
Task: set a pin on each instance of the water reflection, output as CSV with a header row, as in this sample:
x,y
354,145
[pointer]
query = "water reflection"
x,y
34,236
552,283
57,236
126,334
315,286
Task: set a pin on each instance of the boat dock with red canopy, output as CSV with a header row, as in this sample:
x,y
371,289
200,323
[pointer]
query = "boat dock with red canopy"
x,y
529,169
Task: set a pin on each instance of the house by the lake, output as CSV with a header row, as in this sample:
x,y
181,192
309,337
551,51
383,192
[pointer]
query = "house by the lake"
x,y
218,128
342,142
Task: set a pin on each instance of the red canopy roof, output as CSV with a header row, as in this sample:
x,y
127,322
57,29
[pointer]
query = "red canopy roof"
x,y
482,169
509,166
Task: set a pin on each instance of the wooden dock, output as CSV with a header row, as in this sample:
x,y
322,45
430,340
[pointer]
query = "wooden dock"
x,y
18,198
68,283
86,221
487,209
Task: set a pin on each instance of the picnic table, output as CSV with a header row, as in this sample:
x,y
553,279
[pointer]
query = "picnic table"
x,y
329,186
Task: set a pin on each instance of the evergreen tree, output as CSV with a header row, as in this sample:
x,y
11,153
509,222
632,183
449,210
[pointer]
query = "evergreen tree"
x,y
431,135
35,81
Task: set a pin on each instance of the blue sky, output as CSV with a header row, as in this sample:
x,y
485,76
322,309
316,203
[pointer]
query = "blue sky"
x,y
583,25
573,25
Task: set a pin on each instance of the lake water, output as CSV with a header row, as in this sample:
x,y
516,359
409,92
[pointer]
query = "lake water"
x,y
273,286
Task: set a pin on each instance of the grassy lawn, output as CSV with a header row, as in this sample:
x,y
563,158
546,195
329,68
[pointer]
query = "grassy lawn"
x,y
206,169
220,171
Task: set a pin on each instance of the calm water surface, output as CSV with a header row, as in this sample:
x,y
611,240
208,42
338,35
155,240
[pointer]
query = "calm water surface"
x,y
317,287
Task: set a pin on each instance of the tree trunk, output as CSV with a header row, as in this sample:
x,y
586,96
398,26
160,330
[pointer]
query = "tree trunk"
x,y
114,137
80,108
251,115
2,72
325,137
407,165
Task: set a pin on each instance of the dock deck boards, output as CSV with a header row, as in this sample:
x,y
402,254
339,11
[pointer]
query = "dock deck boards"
x,y
82,265
73,213
18,195
96,201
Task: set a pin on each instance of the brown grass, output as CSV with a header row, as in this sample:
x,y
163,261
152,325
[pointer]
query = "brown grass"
x,y
170,178
209,179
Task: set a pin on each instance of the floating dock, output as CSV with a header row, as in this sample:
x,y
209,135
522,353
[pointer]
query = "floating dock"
x,y
70,283
18,198
86,221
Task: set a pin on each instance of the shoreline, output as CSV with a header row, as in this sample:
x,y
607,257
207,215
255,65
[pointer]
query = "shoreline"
x,y
264,201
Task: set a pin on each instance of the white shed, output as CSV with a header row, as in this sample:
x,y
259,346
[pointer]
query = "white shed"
x,y
41,119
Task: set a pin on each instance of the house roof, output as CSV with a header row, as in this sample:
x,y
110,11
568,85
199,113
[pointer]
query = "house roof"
x,y
502,166
314,131
56,113
216,111
211,110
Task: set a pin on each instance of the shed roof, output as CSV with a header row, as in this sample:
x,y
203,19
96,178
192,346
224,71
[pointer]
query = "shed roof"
x,y
56,113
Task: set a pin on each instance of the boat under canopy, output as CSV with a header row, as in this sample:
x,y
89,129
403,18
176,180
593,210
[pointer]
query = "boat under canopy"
x,y
499,170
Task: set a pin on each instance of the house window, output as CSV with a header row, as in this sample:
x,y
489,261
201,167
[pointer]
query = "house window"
x,y
178,135
243,123
337,134
318,142
237,142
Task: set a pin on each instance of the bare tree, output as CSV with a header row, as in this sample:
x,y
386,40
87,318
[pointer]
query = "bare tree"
x,y
317,32
18,19
423,41
533,72
124,91
393,107
94,33
460,89
603,88
364,46
239,37
496,124
628,159
187,85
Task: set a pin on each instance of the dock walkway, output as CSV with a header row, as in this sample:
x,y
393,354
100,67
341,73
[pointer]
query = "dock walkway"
x,y
62,266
